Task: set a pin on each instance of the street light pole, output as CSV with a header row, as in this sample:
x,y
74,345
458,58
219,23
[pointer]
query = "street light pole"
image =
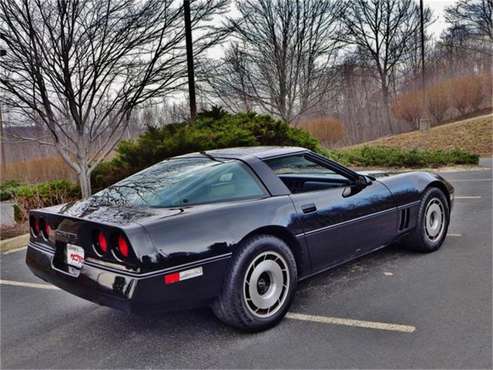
x,y
190,66
2,146
424,122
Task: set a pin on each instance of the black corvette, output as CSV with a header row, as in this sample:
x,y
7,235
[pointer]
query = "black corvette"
x,y
233,228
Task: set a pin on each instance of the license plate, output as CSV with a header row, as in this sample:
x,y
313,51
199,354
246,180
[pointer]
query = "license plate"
x,y
74,256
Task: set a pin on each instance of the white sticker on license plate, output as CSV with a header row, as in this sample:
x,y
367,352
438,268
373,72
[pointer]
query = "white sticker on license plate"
x,y
75,255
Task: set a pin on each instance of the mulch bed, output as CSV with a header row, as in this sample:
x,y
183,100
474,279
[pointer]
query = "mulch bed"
x,y
7,232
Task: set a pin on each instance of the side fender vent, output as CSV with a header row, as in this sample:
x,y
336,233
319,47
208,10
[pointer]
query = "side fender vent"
x,y
404,221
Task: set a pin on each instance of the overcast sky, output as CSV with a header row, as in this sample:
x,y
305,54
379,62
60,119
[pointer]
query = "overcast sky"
x,y
438,6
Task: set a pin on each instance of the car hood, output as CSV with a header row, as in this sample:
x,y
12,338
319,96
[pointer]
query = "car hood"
x,y
380,173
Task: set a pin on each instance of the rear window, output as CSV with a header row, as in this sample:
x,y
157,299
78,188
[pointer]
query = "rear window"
x,y
185,181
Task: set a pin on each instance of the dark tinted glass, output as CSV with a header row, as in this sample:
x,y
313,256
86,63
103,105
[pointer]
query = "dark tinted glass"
x,y
299,165
185,181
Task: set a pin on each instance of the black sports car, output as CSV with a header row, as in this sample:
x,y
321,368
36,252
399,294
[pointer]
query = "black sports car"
x,y
232,228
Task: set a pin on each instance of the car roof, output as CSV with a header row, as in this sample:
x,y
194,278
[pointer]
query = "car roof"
x,y
243,153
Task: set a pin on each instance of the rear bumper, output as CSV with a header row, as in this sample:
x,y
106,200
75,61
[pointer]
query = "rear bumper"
x,y
132,292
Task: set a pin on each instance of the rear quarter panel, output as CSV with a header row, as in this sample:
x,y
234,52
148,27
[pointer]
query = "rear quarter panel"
x,y
202,231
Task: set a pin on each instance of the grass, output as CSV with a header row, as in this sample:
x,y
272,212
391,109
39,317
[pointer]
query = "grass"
x,y
473,135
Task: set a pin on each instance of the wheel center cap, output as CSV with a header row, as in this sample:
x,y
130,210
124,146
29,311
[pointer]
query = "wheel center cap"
x,y
263,283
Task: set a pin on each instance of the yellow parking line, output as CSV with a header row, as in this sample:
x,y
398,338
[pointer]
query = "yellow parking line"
x,y
350,322
28,285
290,315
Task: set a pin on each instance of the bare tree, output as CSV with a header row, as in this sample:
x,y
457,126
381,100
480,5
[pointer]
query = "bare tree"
x,y
460,51
357,99
468,41
476,15
82,66
280,57
383,30
229,81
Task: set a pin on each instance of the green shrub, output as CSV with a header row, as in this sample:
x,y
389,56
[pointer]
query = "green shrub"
x,y
18,214
379,156
211,130
45,194
7,189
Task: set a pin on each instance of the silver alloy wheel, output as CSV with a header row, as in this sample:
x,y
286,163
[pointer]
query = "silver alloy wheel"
x,y
434,219
266,284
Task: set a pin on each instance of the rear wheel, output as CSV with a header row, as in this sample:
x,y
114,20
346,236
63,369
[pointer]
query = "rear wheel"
x,y
259,285
432,223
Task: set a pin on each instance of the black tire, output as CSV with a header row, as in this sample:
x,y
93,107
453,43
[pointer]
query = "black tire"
x,y
419,239
233,307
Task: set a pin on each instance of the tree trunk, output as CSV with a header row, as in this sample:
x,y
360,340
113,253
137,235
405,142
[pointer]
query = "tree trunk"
x,y
85,182
386,108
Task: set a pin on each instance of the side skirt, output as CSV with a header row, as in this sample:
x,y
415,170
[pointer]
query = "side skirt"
x,y
353,258
343,262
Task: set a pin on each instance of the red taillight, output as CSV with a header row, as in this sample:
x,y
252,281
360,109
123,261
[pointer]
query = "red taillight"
x,y
34,225
47,229
102,243
172,278
123,248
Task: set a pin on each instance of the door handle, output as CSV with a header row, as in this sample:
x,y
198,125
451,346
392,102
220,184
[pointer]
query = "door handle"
x,y
308,208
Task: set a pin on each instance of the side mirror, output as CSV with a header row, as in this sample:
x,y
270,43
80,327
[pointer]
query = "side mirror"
x,y
356,186
362,181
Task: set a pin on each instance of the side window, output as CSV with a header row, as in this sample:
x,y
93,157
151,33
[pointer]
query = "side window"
x,y
228,182
300,174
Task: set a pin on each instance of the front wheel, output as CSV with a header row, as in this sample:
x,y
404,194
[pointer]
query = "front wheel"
x,y
259,285
432,223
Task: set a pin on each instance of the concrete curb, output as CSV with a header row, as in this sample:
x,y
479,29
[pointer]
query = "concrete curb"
x,y
13,243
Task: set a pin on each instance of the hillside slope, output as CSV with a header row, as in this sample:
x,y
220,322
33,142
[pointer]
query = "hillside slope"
x,y
474,135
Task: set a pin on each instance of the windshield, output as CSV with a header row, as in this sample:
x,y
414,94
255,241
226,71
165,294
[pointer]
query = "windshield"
x,y
299,165
184,181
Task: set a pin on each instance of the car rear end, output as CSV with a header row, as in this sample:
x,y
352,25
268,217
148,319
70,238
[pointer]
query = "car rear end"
x,y
111,264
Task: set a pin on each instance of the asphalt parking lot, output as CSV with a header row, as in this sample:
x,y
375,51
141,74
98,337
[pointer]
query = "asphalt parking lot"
x,y
442,302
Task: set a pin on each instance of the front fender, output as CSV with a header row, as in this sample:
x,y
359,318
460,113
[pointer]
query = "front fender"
x,y
409,187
